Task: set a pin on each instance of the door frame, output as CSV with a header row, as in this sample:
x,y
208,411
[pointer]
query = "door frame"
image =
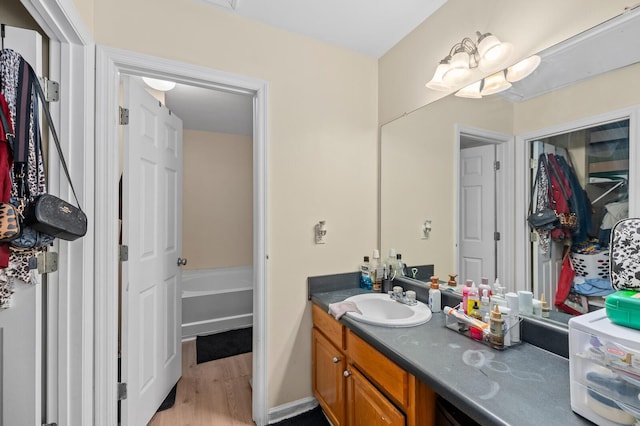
x,y
109,63
504,186
523,179
70,351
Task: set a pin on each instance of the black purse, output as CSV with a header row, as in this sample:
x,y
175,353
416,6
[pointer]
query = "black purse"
x,y
46,213
546,218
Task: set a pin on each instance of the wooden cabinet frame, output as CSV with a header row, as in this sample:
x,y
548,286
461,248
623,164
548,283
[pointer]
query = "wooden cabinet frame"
x,y
356,384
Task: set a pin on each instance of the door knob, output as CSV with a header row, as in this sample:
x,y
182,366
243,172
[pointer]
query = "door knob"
x,y
336,359
182,261
346,373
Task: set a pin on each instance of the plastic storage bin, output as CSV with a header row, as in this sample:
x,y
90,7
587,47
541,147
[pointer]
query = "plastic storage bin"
x,y
594,265
604,369
623,308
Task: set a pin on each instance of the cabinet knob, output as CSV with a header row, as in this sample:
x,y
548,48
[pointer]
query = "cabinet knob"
x,y
336,359
346,373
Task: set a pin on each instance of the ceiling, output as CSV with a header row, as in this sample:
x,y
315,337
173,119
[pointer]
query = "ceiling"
x,y
369,27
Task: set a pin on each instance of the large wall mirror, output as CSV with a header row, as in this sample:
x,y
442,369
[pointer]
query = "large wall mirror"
x,y
462,166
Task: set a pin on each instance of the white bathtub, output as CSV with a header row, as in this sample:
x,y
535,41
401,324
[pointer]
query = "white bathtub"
x,y
216,300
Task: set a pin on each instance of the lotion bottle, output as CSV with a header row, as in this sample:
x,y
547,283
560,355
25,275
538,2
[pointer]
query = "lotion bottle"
x,y
465,295
484,285
472,299
485,304
496,328
435,298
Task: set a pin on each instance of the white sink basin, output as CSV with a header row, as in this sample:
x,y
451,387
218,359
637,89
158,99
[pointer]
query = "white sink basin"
x,y
380,309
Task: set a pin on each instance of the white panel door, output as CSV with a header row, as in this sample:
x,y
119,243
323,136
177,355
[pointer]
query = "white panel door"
x,y
477,213
21,324
152,229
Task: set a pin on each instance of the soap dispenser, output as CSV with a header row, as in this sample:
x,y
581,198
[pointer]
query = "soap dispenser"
x,y
435,298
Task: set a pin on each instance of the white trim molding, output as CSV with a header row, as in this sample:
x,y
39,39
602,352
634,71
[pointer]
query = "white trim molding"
x,y
110,63
504,188
69,361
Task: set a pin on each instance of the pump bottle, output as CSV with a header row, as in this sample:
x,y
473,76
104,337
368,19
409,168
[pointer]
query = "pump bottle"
x,y
435,298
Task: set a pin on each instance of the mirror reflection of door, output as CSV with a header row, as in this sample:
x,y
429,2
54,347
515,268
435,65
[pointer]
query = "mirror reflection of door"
x,y
599,156
478,237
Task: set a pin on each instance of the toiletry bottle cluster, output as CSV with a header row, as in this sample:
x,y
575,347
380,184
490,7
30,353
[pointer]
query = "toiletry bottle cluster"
x,y
374,272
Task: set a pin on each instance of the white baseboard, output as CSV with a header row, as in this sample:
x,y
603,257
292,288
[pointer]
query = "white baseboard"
x,y
217,325
291,409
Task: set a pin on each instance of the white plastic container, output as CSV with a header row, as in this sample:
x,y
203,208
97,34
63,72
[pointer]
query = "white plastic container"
x,y
604,362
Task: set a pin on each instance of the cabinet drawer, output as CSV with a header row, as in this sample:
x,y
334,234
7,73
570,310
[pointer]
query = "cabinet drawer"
x,y
332,329
390,378
369,407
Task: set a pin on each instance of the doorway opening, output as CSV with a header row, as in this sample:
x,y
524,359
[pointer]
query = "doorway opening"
x,y
483,183
186,209
111,64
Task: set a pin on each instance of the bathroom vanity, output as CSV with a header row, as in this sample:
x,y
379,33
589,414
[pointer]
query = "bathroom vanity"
x,y
375,372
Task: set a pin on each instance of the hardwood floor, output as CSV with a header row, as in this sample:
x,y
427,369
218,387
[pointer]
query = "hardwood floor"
x,y
214,393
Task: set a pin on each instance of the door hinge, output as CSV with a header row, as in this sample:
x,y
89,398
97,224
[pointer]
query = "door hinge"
x,y
122,391
124,253
124,116
496,165
533,163
51,89
47,261
533,237
496,236
49,424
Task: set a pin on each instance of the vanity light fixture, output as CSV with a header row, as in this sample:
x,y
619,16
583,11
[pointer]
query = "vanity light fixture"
x,y
495,83
523,68
487,54
161,85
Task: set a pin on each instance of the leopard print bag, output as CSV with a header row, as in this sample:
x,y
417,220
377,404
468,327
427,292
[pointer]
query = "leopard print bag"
x,y
9,223
624,256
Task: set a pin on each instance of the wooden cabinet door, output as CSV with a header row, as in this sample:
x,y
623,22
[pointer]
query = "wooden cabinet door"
x,y
368,407
329,365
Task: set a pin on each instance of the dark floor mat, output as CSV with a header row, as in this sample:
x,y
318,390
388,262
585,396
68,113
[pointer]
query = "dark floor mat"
x,y
222,345
313,417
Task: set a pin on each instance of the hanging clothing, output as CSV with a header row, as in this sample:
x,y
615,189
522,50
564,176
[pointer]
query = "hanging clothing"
x,y
12,70
542,202
6,163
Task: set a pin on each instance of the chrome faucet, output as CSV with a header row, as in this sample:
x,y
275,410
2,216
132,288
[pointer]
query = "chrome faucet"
x,y
406,298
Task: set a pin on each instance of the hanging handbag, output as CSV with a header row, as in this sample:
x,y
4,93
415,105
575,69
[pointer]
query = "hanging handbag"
x,y
9,223
47,213
545,218
566,299
561,194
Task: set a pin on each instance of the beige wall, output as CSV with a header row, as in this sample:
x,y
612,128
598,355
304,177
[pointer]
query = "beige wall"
x,y
529,26
322,152
611,91
217,204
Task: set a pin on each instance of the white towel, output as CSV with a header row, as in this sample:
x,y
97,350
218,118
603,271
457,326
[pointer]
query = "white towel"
x,y
338,309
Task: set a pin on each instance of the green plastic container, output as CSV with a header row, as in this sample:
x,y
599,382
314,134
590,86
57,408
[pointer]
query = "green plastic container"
x,y
623,308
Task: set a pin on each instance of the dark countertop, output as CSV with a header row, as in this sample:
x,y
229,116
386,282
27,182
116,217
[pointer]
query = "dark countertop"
x,y
521,385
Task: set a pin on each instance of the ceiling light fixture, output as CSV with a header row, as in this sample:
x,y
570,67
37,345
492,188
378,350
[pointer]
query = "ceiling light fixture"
x,y
488,54
161,85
